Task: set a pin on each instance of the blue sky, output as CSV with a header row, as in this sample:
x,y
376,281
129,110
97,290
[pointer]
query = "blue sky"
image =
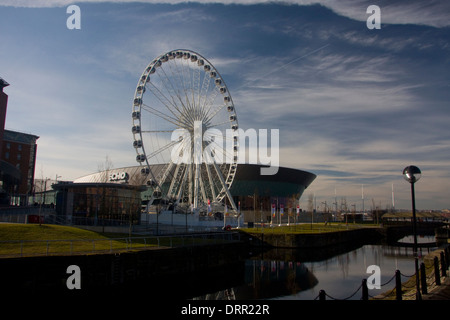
x,y
354,106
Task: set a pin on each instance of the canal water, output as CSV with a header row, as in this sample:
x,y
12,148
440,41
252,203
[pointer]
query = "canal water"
x,y
300,274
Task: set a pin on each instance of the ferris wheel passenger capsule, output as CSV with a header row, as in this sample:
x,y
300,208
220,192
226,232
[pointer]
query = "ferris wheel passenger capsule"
x,y
151,183
137,144
136,129
137,101
140,158
136,115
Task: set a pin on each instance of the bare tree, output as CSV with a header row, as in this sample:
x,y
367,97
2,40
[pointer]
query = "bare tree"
x,y
104,168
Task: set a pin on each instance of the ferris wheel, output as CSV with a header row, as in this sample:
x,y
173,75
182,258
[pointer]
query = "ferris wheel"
x,y
185,131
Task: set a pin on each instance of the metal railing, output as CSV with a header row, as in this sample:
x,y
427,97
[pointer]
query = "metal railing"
x,y
430,278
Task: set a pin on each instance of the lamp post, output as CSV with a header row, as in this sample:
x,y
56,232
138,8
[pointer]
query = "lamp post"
x,y
412,175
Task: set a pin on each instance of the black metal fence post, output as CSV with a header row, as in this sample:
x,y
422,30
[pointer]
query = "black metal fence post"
x,y
443,265
365,290
398,285
447,255
423,278
436,271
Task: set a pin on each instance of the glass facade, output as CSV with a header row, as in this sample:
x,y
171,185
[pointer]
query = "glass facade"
x,y
98,204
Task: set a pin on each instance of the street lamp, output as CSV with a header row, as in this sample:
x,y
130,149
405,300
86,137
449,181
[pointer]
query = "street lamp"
x,y
412,175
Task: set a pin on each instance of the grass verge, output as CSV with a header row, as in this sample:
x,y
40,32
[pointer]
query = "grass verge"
x,y
34,239
306,228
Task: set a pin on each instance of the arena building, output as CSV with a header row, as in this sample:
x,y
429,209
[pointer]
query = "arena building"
x,y
124,188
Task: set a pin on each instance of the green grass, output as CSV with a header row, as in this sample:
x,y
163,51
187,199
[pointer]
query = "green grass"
x,y
34,239
306,228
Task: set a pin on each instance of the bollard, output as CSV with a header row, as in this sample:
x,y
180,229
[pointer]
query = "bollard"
x,y
365,290
322,296
398,285
423,278
447,255
443,265
436,271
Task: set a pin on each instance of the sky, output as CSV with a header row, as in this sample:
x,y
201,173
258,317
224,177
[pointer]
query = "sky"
x,y
353,105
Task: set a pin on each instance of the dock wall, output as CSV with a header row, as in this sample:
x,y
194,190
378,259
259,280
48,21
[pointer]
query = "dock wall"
x,y
315,240
158,272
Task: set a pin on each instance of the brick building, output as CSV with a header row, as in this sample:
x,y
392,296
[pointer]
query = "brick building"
x,y
17,159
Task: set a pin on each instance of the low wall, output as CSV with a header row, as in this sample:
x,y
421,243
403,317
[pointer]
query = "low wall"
x,y
315,240
160,272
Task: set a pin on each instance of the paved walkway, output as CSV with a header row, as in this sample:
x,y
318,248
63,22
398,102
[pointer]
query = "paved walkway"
x,y
436,292
441,292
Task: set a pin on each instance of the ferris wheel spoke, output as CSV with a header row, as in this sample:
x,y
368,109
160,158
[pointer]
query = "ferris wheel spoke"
x,y
169,104
156,131
183,89
209,116
190,94
162,115
168,83
221,151
161,149
203,93
208,103
218,124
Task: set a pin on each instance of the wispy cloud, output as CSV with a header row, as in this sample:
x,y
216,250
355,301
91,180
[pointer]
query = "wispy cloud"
x,y
432,12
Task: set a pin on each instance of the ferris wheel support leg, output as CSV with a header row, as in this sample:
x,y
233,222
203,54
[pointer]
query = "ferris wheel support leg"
x,y
227,191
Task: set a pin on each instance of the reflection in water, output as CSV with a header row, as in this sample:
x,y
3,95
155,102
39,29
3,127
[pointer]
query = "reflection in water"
x,y
296,274
265,279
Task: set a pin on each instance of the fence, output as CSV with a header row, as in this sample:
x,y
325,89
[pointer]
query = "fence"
x,y
21,248
23,214
430,277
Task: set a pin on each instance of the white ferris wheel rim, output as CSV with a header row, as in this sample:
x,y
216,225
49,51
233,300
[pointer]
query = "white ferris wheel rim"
x,y
181,97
